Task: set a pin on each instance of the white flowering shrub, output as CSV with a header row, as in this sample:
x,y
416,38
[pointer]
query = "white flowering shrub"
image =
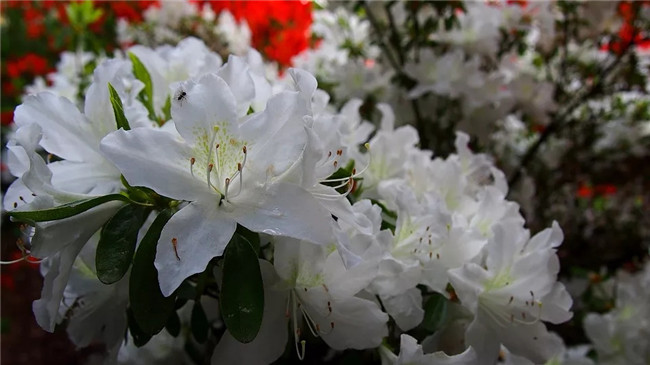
x,y
190,204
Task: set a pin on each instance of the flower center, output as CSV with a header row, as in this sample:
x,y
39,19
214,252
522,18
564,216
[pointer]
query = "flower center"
x,y
219,159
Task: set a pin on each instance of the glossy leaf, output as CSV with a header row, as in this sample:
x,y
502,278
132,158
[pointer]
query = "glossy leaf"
x,y
150,308
146,95
199,321
435,312
139,337
66,210
117,243
242,290
118,109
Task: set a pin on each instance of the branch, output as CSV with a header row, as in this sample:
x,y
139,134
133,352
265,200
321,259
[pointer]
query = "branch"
x,y
556,126
420,124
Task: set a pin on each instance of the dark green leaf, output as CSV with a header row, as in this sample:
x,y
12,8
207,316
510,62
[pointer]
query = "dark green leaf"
x,y
186,291
117,243
173,325
118,109
435,312
66,210
199,321
150,308
252,237
139,337
242,291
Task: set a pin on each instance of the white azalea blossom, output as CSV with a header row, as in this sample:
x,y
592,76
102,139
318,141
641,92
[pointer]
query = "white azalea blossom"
x,y
516,290
227,166
411,353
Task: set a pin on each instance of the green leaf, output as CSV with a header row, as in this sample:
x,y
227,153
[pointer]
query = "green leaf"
x,y
167,110
199,321
118,109
66,210
139,337
242,291
150,308
435,312
252,237
117,243
146,95
173,325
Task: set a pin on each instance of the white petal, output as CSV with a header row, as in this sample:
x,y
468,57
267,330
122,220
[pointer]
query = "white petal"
x,y
47,307
277,134
531,341
62,240
25,140
200,234
235,73
208,102
467,357
287,210
405,308
53,236
468,283
12,198
85,177
66,132
484,342
557,304
155,159
97,106
357,323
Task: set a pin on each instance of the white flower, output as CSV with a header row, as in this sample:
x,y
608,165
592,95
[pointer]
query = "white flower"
x,y
228,167
94,311
411,353
621,335
513,293
55,124
237,35
313,287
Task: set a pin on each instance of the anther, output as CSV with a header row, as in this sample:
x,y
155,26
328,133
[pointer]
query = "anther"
x,y
336,163
332,325
511,299
21,198
15,205
192,161
174,243
244,149
210,167
430,255
438,256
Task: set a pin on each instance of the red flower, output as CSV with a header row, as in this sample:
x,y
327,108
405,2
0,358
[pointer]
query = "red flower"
x,y
606,189
7,117
280,29
31,63
34,22
584,191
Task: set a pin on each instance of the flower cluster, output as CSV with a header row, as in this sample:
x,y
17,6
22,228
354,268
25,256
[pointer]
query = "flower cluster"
x,y
394,196
353,226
